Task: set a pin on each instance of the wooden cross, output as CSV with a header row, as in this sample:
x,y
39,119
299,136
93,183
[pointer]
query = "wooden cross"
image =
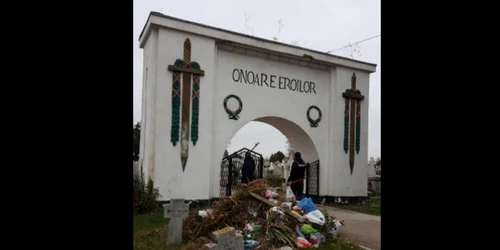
x,y
355,96
187,68
176,211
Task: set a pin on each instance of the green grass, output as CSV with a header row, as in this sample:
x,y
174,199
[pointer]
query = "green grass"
x,y
337,244
150,234
371,207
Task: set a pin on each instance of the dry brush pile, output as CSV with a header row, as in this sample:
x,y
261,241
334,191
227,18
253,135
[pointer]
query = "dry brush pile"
x,y
271,229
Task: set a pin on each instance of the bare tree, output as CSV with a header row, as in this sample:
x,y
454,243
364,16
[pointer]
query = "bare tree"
x,y
378,166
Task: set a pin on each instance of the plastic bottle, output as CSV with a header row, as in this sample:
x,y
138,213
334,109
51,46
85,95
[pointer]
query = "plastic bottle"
x,y
248,244
302,242
298,232
297,215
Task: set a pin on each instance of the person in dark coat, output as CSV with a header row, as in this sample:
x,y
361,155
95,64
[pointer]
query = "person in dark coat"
x,y
248,169
297,172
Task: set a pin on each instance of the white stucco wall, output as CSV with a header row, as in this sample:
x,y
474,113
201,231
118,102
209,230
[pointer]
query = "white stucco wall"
x,y
284,109
343,183
148,115
194,182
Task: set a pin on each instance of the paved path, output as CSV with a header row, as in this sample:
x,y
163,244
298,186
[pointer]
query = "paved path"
x,y
361,229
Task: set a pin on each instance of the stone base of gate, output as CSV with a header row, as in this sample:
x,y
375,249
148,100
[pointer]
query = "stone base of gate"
x,y
203,204
195,204
334,199
314,198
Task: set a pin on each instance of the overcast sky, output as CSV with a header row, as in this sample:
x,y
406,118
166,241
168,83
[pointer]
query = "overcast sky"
x,y
322,25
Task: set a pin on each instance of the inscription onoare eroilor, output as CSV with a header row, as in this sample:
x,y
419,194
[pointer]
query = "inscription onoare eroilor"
x,y
273,81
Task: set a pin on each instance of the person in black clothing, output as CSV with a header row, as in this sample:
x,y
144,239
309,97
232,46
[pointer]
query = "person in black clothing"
x,y
297,172
248,169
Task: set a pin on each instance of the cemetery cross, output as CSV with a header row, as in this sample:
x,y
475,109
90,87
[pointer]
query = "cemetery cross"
x,y
176,211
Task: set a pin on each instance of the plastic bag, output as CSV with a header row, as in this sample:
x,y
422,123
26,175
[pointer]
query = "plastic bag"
x,y
302,242
316,217
307,229
249,227
286,204
313,240
297,215
269,193
289,195
273,194
334,231
202,213
318,237
276,210
307,205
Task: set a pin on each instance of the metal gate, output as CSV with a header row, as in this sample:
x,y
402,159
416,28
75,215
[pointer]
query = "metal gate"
x,y
230,170
312,181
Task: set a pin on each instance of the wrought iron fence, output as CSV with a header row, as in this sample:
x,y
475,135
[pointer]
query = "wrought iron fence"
x,y
230,170
312,181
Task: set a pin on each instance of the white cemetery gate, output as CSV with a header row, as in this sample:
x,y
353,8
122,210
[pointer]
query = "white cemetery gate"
x,y
202,84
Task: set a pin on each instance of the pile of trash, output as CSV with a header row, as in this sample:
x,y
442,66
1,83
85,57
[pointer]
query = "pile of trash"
x,y
266,219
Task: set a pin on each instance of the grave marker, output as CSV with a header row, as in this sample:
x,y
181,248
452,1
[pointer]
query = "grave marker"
x,y
226,239
176,211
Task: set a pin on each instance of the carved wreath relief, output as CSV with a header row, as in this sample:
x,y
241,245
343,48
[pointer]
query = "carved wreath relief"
x,y
313,123
233,114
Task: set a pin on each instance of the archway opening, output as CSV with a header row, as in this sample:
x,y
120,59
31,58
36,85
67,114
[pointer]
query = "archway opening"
x,y
265,138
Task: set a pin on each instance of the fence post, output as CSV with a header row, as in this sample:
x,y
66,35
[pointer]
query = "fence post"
x,y
308,174
230,176
317,180
261,167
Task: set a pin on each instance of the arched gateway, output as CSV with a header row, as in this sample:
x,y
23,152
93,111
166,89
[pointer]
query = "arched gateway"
x,y
202,84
